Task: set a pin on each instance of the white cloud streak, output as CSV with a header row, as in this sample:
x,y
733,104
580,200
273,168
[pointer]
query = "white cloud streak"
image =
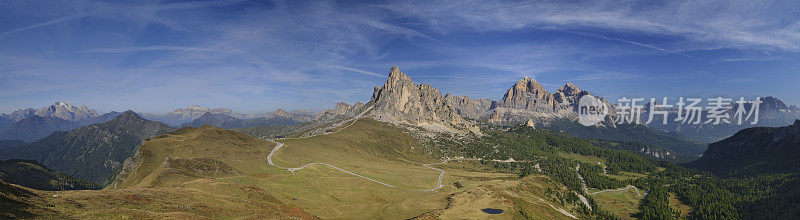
x,y
355,70
147,48
322,50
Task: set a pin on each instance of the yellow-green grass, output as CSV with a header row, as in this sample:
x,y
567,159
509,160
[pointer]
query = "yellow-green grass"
x,y
623,204
329,193
370,148
210,147
623,175
215,173
583,158
677,205
386,153
520,198
177,178
200,198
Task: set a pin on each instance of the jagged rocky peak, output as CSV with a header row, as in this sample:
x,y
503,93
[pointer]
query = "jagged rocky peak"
x,y
524,88
568,94
528,99
527,94
342,110
569,89
67,111
399,100
397,83
772,103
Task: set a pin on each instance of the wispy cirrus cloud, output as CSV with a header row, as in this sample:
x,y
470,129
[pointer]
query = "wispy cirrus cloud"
x,y
355,70
146,48
102,9
736,24
257,55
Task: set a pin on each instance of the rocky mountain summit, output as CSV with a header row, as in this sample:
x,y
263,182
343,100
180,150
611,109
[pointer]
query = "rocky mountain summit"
x,y
62,110
527,99
31,124
400,100
66,111
527,94
342,110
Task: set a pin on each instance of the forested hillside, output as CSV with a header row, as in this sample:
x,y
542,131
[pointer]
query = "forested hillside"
x,y
94,152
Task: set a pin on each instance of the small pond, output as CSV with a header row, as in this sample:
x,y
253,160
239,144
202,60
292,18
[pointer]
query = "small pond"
x,y
492,211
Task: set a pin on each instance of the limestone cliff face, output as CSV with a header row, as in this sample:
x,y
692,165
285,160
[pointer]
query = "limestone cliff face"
x,y
342,110
529,95
399,100
467,107
527,99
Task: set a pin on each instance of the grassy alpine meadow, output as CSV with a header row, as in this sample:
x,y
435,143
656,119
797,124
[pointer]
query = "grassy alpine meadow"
x,y
208,172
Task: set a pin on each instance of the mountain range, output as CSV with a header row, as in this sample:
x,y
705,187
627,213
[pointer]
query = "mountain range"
x,y
524,153
62,110
228,122
32,124
183,116
400,100
94,152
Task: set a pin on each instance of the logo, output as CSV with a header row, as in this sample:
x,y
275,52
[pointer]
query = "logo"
x,y
591,110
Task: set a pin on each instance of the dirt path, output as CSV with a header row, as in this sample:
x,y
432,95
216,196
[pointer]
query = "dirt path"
x,y
438,184
279,145
586,189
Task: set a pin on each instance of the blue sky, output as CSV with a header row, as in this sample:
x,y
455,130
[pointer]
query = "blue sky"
x,y
256,56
